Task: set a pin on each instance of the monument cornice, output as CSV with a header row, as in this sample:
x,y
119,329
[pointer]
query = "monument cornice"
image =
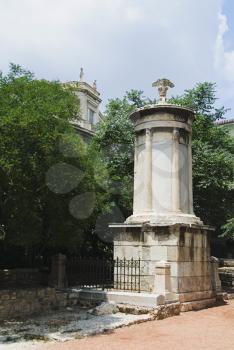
x,y
148,225
161,108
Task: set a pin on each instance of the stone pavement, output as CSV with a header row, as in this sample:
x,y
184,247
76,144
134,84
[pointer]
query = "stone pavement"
x,y
201,330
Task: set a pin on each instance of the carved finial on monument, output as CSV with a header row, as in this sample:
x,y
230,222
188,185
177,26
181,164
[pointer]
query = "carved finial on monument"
x,y
81,74
163,85
95,84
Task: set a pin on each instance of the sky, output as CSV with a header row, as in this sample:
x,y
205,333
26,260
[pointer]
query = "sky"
x,y
123,44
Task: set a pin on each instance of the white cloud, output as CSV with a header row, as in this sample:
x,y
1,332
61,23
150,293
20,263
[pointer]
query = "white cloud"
x,y
223,60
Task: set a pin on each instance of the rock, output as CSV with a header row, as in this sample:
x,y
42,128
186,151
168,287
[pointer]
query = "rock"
x,y
3,338
104,309
134,310
164,311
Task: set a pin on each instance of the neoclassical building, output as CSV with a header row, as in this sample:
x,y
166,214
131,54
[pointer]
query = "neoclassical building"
x,y
90,102
228,124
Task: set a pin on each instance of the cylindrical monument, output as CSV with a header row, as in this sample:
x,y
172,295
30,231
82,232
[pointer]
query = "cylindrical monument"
x,y
163,162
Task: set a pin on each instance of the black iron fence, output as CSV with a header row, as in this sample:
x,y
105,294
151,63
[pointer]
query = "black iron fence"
x,y
120,274
89,272
127,274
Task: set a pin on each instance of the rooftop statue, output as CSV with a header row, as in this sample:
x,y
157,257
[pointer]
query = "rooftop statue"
x,y
163,85
81,74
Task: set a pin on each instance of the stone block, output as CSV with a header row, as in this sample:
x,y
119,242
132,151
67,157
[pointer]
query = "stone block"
x,y
128,252
187,254
177,269
172,253
196,268
170,240
194,284
150,238
174,285
191,296
131,298
197,305
197,241
158,253
149,267
188,239
145,253
162,278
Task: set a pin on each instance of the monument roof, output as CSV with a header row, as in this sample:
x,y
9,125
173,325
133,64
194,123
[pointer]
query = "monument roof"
x,y
157,107
162,105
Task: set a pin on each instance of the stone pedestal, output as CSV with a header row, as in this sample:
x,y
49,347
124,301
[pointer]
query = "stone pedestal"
x,y
162,284
216,282
175,258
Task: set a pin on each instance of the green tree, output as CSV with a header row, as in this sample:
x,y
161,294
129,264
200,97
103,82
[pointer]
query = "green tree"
x,y
201,99
212,152
50,190
114,139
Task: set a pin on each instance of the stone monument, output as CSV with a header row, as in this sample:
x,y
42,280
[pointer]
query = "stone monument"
x,y
163,230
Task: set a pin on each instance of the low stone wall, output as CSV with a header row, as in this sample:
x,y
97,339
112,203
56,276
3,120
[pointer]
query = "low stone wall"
x,y
226,273
157,313
19,303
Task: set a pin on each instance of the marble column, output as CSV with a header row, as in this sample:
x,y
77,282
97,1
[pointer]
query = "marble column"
x,y
175,171
135,175
190,166
148,170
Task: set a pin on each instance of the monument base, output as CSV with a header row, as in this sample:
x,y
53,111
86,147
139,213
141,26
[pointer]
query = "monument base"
x,y
164,219
175,259
149,300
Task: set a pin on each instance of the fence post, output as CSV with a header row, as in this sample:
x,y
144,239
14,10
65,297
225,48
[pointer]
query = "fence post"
x,y
58,276
216,283
162,278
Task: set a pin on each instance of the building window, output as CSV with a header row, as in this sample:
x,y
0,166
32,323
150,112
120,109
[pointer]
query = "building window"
x,y
91,116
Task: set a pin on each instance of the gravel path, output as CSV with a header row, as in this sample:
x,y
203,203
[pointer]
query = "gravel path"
x,y
204,330
60,326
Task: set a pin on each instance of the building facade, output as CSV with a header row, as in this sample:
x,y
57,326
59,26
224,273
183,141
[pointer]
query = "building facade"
x,y
90,102
227,124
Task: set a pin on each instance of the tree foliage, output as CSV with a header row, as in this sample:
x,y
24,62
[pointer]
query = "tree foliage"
x,y
213,163
47,172
201,99
115,139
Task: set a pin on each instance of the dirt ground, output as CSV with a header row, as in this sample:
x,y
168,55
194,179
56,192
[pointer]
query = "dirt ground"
x,y
201,330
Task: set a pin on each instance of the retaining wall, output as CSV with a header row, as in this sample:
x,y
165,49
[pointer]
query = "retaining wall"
x,y
19,303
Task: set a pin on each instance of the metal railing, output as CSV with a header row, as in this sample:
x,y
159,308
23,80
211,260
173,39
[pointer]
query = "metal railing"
x,y
127,274
120,274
